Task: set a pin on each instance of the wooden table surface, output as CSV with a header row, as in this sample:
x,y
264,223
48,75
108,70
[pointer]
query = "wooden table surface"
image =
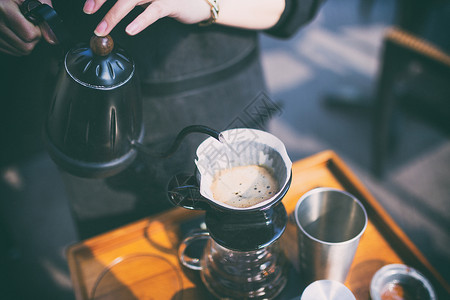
x,y
139,261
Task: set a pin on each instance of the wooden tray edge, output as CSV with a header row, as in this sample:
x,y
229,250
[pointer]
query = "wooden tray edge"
x,y
397,237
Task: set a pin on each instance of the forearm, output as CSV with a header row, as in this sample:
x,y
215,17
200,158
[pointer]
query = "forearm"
x,y
250,14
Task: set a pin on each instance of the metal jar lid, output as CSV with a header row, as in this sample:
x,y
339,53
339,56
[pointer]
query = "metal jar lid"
x,y
99,65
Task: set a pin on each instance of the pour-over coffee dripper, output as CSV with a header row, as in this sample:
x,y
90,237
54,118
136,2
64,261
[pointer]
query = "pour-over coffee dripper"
x,y
242,259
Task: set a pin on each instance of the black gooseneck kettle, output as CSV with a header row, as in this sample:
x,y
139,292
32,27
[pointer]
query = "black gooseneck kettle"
x,y
94,126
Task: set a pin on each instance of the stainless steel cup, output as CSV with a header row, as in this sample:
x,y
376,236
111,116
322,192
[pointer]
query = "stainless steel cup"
x,y
330,224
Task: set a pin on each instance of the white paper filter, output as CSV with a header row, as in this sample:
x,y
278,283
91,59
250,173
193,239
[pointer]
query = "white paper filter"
x,y
242,147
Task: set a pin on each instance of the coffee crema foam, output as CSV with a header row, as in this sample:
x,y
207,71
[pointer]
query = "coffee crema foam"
x,y
244,186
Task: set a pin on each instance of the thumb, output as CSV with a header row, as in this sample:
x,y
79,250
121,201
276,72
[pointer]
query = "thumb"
x,y
47,32
49,2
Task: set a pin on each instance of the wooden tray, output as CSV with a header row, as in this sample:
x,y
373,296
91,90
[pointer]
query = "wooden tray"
x,y
139,261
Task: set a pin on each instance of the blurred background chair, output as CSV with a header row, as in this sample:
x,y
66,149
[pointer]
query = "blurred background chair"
x,y
414,73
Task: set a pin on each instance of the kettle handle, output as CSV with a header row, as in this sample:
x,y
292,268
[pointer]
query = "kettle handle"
x,y
183,190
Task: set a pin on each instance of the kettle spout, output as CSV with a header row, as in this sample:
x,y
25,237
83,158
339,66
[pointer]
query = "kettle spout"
x,y
179,138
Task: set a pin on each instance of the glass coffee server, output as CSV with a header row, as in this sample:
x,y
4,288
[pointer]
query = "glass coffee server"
x,y
242,258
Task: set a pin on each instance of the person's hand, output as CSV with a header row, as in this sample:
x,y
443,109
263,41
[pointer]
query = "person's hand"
x,y
18,36
185,11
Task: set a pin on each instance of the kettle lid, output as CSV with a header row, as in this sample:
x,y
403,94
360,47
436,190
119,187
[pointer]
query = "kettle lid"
x,y
99,65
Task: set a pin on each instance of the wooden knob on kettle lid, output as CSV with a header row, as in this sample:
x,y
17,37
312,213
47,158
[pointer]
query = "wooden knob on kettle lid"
x,y
101,45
